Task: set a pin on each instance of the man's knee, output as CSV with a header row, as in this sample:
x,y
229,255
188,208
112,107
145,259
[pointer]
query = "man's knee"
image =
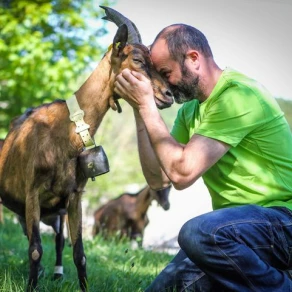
x,y
198,234
195,234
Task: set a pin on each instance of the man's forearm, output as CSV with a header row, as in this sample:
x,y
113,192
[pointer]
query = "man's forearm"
x,y
152,171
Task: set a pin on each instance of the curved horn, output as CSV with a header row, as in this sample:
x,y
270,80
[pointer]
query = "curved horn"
x,y
119,19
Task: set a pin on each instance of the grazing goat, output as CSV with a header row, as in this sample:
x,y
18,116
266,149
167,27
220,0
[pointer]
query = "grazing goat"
x,y
126,215
39,163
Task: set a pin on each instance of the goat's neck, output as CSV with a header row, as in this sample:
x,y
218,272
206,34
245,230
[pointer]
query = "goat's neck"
x,y
93,96
144,200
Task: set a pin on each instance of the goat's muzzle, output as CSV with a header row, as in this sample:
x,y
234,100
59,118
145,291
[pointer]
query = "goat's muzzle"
x,y
164,100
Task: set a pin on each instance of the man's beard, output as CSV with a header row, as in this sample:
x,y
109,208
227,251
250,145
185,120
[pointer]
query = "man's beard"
x,y
188,88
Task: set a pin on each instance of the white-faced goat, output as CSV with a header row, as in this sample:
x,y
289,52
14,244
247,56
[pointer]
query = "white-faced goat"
x,y
39,165
126,216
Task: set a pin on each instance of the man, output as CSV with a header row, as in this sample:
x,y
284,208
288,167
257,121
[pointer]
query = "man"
x,y
231,132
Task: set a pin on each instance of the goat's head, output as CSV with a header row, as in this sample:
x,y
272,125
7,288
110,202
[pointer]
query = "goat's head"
x,y
162,197
129,52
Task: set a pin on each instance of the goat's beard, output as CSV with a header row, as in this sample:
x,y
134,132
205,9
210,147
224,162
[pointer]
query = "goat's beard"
x,y
188,88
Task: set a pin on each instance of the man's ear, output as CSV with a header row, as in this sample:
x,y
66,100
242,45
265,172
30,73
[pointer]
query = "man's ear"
x,y
193,55
120,40
193,58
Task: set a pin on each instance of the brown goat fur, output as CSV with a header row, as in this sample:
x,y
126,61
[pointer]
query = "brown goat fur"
x,y
56,221
126,216
39,173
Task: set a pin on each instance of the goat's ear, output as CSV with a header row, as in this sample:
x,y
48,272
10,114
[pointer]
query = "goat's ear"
x,y
120,39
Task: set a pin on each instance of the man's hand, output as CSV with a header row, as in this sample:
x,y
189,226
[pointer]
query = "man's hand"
x,y
135,88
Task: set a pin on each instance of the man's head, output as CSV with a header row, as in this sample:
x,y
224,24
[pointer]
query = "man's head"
x,y
178,53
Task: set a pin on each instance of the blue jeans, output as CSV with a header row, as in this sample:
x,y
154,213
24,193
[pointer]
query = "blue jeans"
x,y
247,248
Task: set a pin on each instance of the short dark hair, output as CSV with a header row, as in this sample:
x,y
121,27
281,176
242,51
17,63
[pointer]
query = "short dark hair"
x,y
182,37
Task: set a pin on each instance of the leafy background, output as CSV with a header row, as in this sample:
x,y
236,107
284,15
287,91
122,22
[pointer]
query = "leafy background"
x,y
45,47
48,48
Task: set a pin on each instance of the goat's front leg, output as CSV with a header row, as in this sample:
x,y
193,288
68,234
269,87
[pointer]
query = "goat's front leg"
x,y
75,226
137,231
59,245
35,251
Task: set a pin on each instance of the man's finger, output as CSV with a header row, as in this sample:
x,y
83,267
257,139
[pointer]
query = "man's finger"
x,y
133,76
121,79
139,76
118,87
127,75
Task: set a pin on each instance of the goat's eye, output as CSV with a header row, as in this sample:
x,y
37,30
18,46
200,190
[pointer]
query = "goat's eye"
x,y
138,61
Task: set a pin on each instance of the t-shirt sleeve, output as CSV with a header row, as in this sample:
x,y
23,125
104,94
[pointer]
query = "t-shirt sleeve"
x,y
234,114
179,130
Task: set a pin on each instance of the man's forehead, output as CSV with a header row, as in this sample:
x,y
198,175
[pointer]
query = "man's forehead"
x,y
159,48
161,57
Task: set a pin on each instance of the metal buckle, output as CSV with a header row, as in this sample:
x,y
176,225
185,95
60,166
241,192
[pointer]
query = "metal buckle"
x,y
81,126
77,116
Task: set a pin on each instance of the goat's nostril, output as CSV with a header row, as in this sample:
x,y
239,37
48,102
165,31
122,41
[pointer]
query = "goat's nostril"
x,y
168,93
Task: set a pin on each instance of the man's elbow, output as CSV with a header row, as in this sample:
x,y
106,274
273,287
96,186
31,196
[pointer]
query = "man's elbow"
x,y
180,186
182,182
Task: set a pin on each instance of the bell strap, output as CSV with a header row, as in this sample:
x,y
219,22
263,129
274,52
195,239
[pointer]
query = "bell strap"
x,y
76,116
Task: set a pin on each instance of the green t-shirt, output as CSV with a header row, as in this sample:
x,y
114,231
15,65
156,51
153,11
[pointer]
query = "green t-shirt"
x,y
258,167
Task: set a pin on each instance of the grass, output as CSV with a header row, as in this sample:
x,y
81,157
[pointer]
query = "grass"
x,y
111,266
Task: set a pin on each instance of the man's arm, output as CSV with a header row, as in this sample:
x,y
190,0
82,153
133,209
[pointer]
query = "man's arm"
x,y
154,175
182,164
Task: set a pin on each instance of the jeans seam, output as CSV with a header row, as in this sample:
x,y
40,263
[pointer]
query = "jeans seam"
x,y
233,264
214,231
195,280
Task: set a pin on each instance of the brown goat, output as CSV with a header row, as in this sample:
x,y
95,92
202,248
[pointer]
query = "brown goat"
x,y
39,170
56,221
126,216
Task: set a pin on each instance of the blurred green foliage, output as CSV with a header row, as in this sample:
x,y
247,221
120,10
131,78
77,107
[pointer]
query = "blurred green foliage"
x,y
45,46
